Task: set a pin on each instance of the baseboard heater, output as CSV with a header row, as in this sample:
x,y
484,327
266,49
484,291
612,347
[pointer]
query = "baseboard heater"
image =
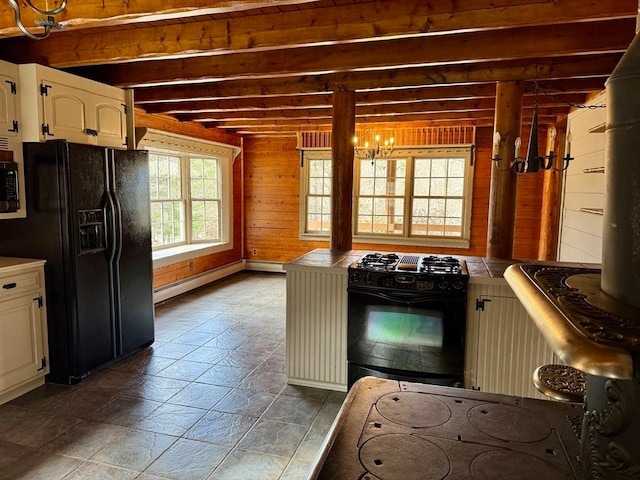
x,y
183,286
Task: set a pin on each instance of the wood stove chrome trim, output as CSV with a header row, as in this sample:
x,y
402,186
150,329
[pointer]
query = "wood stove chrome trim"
x,y
570,345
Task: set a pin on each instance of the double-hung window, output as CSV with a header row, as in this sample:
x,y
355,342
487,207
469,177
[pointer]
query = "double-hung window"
x,y
191,190
185,198
414,196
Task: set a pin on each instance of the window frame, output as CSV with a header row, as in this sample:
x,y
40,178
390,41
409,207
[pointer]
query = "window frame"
x,y
187,148
466,151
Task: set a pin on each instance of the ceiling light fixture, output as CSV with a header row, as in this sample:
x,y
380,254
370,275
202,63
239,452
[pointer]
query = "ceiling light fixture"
x,y
372,149
533,162
49,23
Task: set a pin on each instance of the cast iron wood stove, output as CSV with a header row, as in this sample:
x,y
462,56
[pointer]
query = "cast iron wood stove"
x,y
591,316
407,318
390,430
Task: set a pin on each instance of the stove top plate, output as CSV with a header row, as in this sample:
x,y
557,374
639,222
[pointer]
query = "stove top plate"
x,y
413,409
408,457
513,465
509,423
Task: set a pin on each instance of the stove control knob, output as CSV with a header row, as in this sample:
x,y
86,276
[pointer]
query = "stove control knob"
x,y
457,285
443,285
368,278
355,277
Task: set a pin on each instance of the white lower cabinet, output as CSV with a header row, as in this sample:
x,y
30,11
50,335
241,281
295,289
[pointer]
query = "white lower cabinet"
x,y
316,343
23,327
504,346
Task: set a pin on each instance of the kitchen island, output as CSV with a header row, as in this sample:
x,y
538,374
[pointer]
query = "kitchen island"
x,y
503,347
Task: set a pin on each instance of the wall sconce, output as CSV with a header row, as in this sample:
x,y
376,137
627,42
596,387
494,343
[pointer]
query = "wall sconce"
x,y
49,23
370,151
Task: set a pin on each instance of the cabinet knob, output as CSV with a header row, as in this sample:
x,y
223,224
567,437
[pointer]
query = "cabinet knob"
x,y
9,286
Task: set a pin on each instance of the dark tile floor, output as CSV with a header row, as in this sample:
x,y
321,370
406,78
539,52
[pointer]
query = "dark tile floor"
x,y
208,400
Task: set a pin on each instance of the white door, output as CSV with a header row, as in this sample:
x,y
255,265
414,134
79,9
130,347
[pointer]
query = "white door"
x,y
66,111
111,122
8,106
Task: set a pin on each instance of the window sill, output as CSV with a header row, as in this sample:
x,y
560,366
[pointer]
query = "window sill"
x,y
425,242
169,256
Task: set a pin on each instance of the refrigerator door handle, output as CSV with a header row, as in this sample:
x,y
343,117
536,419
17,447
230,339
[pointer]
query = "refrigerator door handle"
x,y
117,249
110,215
112,224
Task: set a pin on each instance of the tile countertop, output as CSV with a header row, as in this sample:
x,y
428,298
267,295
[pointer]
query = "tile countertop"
x,y
9,264
479,267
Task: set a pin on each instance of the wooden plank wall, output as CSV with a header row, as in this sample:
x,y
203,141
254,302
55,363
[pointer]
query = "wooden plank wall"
x,y
272,204
272,193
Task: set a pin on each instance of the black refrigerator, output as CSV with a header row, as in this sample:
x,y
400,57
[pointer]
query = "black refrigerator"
x,y
88,216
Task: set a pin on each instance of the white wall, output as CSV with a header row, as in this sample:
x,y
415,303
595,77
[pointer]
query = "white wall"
x,y
581,232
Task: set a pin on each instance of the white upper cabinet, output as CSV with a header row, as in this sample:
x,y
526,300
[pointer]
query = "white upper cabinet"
x,y
11,134
9,104
58,105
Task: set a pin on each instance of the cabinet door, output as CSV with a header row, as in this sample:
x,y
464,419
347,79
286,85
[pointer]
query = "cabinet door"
x,y
66,113
110,121
8,105
21,341
510,348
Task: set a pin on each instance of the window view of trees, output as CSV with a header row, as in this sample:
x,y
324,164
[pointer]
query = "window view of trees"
x,y
185,199
319,196
400,196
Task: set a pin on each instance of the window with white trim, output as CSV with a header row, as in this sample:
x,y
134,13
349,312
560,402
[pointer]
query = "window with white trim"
x,y
190,185
415,196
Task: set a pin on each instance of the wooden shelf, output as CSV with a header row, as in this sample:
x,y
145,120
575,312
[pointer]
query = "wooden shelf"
x,y
593,170
594,211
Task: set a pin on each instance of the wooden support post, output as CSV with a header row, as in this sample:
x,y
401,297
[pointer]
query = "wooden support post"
x,y
552,186
342,133
502,198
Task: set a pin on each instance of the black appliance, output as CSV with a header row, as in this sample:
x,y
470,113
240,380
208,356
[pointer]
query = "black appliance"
x,y
407,318
9,187
89,218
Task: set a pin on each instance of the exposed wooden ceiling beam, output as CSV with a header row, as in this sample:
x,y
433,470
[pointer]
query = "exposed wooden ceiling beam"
x,y
391,96
97,13
425,106
472,47
344,23
545,116
538,68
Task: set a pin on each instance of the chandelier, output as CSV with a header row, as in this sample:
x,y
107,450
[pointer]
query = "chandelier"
x,y
373,149
49,23
533,162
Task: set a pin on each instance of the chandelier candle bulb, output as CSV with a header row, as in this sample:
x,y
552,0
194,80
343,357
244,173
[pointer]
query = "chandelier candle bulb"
x,y
496,145
552,137
518,143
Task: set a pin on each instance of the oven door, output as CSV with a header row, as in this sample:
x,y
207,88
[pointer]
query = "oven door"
x,y
406,335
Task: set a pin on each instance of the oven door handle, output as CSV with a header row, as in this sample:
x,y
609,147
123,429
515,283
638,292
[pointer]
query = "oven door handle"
x,y
409,297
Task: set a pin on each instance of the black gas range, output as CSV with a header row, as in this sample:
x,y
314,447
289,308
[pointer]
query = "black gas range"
x,y
423,272
407,318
